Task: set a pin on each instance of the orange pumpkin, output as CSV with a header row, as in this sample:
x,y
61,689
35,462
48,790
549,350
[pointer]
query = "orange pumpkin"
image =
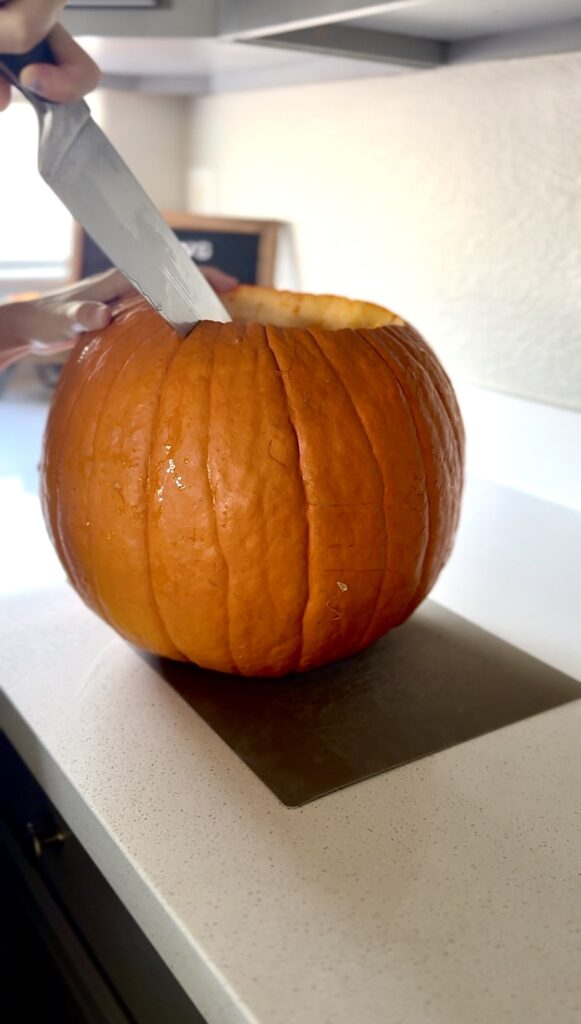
x,y
263,497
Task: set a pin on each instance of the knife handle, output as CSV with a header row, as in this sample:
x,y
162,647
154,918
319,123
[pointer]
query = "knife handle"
x,y
11,64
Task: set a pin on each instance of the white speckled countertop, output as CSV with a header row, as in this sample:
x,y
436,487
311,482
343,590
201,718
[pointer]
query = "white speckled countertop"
x,y
445,892
448,890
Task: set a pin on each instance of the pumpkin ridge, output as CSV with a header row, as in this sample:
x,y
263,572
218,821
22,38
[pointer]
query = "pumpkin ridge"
x,y
101,359
342,382
454,414
281,374
382,354
154,423
428,382
212,491
442,384
444,389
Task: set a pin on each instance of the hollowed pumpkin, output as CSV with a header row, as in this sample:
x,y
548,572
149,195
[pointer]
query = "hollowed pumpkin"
x,y
265,496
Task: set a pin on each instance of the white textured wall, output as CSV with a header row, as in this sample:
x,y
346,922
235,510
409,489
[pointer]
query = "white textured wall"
x,y
150,132
452,195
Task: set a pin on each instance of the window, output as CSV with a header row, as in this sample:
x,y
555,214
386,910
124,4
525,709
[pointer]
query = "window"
x,y
35,228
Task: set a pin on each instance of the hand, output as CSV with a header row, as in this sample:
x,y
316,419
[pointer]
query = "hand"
x,y
52,323
23,24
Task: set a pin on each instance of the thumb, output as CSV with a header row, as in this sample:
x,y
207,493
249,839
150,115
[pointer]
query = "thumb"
x,y
218,279
87,316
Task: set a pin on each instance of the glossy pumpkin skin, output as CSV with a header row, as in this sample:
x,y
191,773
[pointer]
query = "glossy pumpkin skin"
x,y
256,499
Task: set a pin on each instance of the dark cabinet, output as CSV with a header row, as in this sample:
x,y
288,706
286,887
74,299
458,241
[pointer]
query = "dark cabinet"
x,y
70,950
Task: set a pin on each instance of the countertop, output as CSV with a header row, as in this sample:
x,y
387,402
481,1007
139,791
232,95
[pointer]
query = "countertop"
x,y
445,891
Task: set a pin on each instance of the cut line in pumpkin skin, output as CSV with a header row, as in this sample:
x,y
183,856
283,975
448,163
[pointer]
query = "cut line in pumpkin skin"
x,y
373,453
382,354
296,665
273,457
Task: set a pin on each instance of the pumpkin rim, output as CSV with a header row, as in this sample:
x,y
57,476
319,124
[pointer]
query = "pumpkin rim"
x,y
303,310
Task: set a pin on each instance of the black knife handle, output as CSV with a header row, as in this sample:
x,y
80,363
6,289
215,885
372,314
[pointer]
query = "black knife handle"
x,y
11,64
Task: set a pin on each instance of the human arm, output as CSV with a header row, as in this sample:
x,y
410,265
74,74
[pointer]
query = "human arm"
x,y
52,323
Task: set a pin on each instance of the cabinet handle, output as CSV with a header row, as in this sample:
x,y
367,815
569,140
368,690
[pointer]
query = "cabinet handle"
x,y
40,842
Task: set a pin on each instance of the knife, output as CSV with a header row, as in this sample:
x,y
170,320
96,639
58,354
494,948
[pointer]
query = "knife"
x,y
85,171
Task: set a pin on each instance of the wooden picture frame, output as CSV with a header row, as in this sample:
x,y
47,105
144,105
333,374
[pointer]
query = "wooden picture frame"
x,y
260,245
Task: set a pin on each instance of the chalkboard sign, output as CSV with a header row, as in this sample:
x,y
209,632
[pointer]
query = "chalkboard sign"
x,y
244,248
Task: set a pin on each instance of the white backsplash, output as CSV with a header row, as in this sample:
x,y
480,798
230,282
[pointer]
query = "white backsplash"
x,y
452,195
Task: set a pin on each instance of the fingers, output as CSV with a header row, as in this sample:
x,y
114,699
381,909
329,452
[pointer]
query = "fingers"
x,y
74,75
54,327
219,279
87,316
23,23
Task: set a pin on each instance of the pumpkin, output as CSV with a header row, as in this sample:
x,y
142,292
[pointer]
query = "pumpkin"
x,y
262,497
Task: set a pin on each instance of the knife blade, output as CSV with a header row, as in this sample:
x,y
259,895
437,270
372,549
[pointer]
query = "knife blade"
x,y
86,172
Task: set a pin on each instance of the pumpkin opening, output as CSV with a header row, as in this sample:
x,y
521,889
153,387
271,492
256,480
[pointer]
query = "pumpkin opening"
x,y
250,304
